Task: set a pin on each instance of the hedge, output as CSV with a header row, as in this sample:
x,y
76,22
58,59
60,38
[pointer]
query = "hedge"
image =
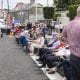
x,y
72,11
48,12
56,15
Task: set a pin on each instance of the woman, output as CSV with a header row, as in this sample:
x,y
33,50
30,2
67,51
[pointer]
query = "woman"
x,y
38,43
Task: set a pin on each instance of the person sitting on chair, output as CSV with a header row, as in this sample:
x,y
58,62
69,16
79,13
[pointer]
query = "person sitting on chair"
x,y
38,43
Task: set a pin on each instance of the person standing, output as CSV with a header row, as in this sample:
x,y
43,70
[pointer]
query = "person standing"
x,y
1,33
57,27
38,43
61,26
24,39
71,34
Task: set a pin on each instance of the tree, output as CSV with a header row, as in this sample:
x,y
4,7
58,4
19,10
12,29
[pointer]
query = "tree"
x,y
63,4
74,2
48,12
72,11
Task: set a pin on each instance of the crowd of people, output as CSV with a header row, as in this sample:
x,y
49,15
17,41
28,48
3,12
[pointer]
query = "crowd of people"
x,y
53,53
61,51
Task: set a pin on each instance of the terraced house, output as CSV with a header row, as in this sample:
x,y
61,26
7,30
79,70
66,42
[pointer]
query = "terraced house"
x,y
29,12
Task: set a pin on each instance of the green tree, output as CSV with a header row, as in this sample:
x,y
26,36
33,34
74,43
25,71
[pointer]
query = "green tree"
x,y
72,11
48,12
63,4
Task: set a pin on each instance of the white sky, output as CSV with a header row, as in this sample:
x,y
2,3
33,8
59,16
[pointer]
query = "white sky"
x,y
13,2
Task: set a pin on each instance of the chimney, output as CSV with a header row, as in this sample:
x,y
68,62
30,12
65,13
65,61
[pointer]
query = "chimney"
x,y
32,1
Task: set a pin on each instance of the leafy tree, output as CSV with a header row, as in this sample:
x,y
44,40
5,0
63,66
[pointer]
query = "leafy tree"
x,y
63,4
72,11
48,12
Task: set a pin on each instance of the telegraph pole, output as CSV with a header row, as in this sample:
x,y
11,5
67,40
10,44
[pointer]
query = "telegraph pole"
x,y
2,5
8,19
8,5
2,8
36,11
47,3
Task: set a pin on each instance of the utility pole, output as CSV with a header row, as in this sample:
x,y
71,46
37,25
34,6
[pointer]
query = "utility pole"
x,y
8,14
47,3
28,15
36,11
8,5
8,19
2,8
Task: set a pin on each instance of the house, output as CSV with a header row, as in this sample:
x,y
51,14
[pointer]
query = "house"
x,y
3,13
29,12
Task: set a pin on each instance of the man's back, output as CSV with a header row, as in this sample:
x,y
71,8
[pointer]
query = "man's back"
x,y
72,33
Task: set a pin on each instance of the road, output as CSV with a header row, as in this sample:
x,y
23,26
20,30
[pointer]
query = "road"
x,y
15,64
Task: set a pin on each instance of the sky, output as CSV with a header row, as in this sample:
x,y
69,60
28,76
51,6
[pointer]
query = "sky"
x,y
12,3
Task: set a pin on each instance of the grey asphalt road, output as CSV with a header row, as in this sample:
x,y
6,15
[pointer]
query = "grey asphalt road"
x,y
15,64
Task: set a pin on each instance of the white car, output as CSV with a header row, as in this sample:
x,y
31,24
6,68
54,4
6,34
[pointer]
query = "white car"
x,y
2,25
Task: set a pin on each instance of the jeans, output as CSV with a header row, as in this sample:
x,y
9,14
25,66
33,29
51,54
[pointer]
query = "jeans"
x,y
50,59
23,41
66,68
18,40
75,67
43,52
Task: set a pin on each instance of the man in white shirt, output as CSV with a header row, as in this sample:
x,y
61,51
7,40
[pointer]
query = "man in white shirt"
x,y
61,27
24,38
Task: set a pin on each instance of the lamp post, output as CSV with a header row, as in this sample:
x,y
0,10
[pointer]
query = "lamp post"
x,y
8,19
2,9
47,3
28,15
8,5
36,11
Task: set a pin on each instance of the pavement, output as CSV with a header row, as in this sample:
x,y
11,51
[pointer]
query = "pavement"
x,y
55,76
15,64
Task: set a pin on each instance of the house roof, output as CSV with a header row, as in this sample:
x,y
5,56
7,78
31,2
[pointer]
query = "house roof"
x,y
23,7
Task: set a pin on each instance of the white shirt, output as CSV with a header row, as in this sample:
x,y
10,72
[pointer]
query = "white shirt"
x,y
56,44
57,26
63,52
24,33
61,26
40,41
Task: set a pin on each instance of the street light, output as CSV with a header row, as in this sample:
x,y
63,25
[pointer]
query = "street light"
x,y
2,9
36,10
28,15
8,19
8,5
47,3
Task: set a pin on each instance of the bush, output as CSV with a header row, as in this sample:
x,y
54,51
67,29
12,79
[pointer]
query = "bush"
x,y
72,11
67,14
56,15
48,12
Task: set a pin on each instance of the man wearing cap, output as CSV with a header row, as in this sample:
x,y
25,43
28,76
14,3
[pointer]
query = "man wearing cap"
x,y
71,34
